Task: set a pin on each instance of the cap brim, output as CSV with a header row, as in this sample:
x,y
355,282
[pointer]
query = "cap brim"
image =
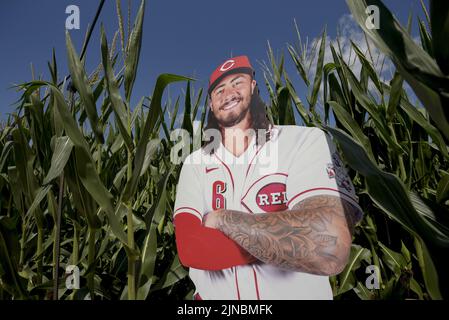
x,y
246,70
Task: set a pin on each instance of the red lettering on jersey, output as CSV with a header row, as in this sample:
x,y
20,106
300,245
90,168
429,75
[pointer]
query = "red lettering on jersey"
x,y
272,197
218,199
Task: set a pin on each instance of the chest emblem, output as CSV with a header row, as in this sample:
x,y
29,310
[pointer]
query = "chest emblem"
x,y
272,197
267,194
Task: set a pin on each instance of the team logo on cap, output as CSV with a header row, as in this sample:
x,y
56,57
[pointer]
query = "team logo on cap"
x,y
227,65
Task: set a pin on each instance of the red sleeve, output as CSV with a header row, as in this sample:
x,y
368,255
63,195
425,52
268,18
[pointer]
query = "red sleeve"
x,y
205,248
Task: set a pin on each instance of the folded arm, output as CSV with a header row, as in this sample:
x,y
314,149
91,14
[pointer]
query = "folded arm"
x,y
314,236
205,248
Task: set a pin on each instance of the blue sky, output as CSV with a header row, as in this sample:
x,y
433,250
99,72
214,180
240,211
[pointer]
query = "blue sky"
x,y
183,37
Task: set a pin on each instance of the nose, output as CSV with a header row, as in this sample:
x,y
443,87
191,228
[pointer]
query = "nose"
x,y
228,93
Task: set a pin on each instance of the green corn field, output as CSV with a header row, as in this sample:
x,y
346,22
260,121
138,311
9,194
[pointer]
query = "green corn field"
x,y
86,178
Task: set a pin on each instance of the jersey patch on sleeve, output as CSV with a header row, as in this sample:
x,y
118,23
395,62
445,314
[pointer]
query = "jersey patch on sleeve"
x,y
336,170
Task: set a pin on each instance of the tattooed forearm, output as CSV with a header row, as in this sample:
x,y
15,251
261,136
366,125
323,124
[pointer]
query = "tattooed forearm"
x,y
314,237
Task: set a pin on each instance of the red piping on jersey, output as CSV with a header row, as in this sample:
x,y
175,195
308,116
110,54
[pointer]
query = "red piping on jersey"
x,y
314,189
246,207
190,208
197,297
271,174
257,285
210,169
227,168
251,162
237,283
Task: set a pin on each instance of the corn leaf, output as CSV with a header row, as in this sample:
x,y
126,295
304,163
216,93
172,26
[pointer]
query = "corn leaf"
x,y
349,124
9,267
318,72
394,260
152,117
286,116
387,191
439,22
443,189
172,275
298,64
428,268
298,103
417,116
61,154
121,116
187,119
395,96
81,84
150,242
356,256
368,66
133,54
416,65
86,170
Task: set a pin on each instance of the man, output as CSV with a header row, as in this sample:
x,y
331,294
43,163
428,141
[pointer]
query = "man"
x,y
268,211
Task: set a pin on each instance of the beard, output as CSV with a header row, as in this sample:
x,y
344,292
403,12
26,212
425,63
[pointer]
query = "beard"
x,y
232,119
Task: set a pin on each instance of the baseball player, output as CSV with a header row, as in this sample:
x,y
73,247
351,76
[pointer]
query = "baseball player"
x,y
263,211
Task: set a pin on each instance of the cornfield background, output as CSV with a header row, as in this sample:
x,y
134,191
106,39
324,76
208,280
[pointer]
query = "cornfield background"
x,y
86,178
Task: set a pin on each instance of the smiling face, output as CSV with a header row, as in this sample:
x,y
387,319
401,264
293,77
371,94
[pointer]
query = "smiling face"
x,y
230,100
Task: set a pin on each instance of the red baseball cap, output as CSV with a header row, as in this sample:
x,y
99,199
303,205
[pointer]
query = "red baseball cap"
x,y
238,64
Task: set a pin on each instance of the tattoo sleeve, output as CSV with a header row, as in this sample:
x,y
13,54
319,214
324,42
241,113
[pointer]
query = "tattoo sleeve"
x,y
314,236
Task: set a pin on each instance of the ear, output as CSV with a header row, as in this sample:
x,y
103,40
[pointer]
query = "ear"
x,y
210,105
253,86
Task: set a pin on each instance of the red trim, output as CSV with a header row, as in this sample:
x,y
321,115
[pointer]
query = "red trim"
x,y
190,208
257,285
251,162
227,168
247,170
246,207
237,283
322,188
210,169
197,297
271,174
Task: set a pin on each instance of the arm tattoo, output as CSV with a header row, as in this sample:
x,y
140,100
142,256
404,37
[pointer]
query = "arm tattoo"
x,y
314,237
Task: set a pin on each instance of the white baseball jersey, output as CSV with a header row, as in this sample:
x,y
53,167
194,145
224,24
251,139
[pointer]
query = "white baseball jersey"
x,y
296,163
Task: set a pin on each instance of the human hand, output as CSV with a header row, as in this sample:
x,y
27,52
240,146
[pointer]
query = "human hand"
x,y
211,218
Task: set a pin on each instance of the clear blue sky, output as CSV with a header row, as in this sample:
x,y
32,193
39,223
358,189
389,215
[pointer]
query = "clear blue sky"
x,y
183,37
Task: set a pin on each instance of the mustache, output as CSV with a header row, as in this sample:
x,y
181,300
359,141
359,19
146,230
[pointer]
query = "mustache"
x,y
237,98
